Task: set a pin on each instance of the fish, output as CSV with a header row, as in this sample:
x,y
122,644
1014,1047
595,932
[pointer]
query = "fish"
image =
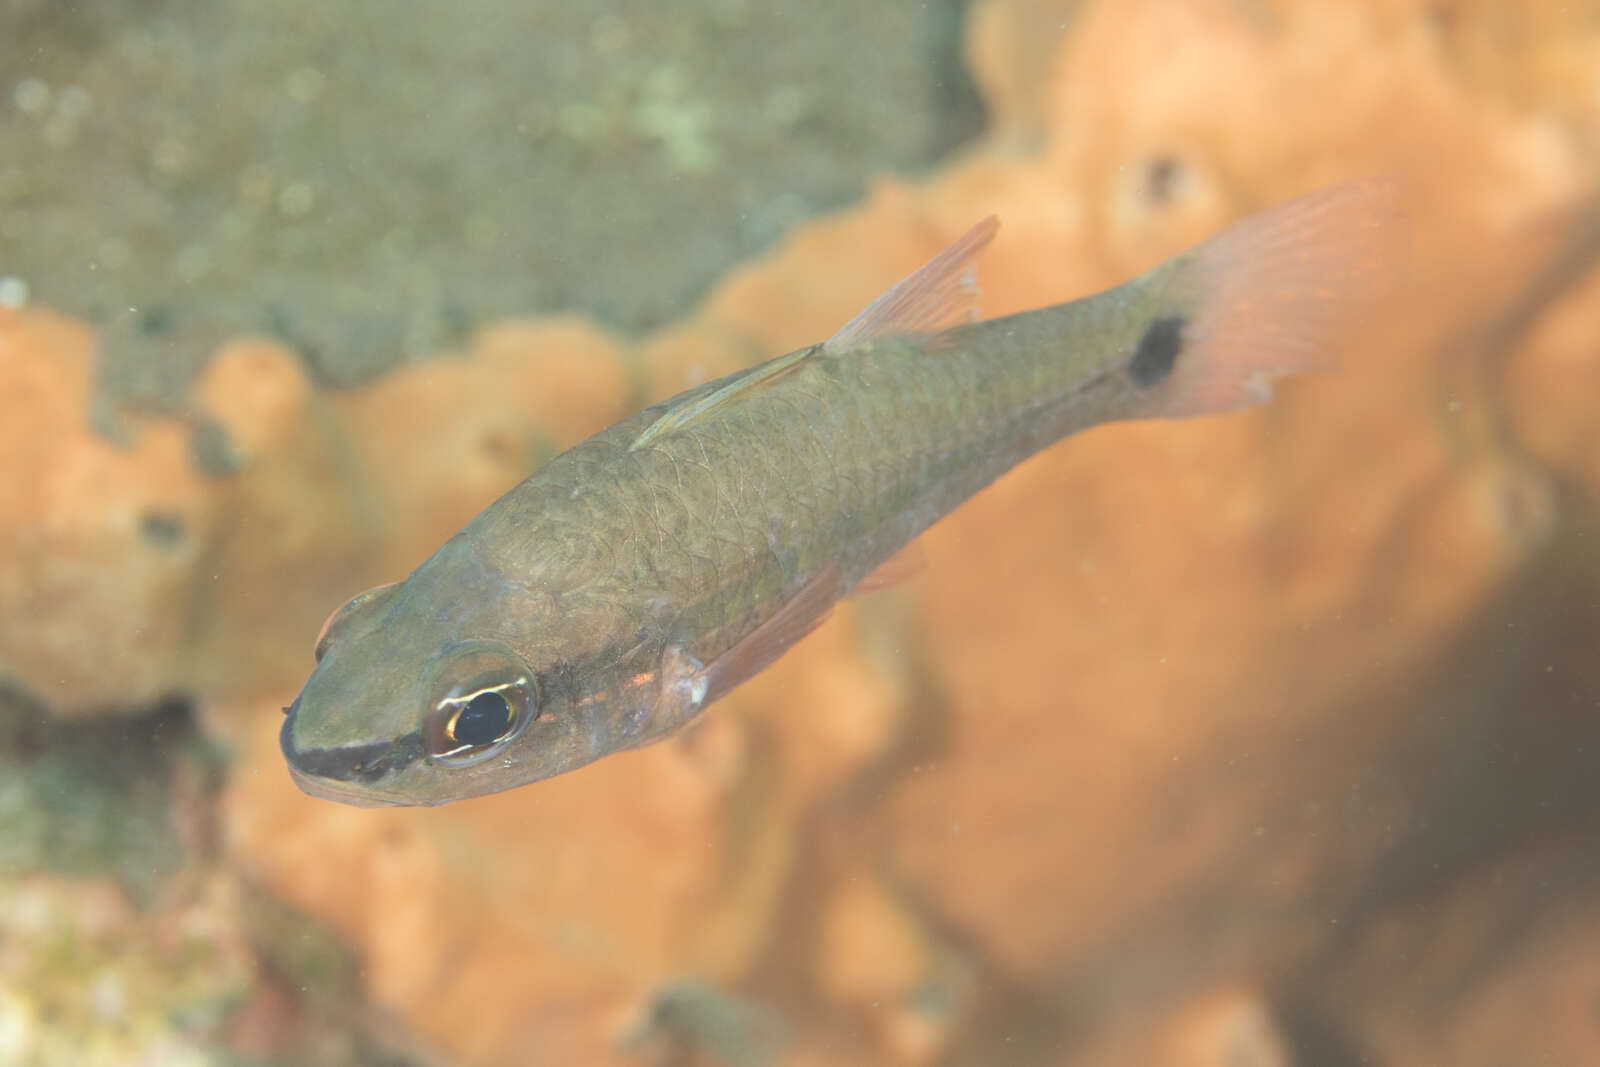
x,y
637,578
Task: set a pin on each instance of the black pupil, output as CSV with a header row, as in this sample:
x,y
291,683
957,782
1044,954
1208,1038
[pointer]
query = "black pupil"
x,y
485,718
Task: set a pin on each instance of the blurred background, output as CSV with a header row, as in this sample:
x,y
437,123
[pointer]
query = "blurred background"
x,y
1255,741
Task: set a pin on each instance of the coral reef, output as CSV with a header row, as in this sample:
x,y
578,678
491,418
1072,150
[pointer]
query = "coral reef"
x,y
155,987
1259,740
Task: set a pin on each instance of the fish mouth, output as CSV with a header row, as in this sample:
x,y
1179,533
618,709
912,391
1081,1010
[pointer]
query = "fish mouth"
x,y
355,796
348,774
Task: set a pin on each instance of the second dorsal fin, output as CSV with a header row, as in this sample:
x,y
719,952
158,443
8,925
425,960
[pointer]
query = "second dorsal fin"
x,y
941,293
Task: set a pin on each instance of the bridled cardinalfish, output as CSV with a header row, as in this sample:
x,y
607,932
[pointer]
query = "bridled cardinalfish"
x,y
643,574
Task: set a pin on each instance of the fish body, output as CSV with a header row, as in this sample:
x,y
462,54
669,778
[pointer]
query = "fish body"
x,y
636,578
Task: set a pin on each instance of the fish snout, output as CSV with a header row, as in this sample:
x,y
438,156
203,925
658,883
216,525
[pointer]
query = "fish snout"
x,y
351,774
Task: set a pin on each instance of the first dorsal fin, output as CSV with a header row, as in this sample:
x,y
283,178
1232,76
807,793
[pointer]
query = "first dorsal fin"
x,y
755,378
941,293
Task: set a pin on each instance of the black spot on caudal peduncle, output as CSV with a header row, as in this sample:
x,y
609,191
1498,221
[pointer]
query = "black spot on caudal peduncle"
x,y
1157,352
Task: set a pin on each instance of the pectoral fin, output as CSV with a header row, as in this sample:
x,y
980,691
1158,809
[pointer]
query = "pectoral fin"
x,y
761,647
899,568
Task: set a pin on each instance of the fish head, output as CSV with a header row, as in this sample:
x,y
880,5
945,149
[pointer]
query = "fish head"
x,y
422,695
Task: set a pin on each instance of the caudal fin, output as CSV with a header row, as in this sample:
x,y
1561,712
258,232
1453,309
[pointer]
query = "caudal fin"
x,y
1273,295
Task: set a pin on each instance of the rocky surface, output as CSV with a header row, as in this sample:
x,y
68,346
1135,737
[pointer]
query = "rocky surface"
x,y
368,187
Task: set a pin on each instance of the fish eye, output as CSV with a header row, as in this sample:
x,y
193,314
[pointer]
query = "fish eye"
x,y
485,697
483,720
471,723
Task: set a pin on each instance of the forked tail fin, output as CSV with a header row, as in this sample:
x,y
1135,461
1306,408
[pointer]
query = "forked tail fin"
x,y
1270,296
